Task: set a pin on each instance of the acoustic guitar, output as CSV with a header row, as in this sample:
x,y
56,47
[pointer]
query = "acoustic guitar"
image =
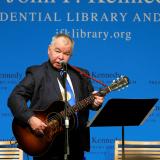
x,y
37,144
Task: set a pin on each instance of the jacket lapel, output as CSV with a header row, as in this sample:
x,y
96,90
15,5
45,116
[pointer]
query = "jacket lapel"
x,y
53,83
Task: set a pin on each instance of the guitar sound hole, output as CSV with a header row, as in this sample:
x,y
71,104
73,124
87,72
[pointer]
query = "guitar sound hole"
x,y
53,117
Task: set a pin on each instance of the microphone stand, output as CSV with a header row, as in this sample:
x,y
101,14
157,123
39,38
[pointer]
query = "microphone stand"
x,y
66,142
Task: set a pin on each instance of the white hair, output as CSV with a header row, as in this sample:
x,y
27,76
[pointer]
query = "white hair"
x,y
62,35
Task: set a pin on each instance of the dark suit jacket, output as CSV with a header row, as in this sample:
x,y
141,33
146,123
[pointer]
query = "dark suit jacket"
x,y
41,88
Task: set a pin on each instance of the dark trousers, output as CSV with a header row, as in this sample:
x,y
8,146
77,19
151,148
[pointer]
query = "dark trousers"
x,y
56,151
72,156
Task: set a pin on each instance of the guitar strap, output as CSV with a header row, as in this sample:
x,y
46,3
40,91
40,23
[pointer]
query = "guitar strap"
x,y
88,76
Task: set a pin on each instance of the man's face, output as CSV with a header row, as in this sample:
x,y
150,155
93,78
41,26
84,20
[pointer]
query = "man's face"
x,y
60,50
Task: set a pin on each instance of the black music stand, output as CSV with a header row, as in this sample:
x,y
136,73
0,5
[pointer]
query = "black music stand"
x,y
123,112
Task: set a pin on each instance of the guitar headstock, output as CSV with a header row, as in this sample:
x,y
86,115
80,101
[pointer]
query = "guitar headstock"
x,y
119,83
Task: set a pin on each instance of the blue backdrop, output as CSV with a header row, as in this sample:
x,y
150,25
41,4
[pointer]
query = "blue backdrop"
x,y
112,38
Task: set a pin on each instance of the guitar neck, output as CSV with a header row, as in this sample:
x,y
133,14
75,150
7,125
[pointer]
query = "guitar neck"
x,y
87,101
117,84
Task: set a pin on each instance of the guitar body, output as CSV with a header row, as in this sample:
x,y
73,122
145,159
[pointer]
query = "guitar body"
x,y
36,144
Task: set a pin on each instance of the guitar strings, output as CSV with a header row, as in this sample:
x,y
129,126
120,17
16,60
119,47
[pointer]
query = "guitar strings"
x,y
71,110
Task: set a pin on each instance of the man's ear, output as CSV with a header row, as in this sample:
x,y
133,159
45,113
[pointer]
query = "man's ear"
x,y
49,50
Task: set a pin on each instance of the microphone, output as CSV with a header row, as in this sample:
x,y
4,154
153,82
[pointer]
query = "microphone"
x,y
63,63
63,70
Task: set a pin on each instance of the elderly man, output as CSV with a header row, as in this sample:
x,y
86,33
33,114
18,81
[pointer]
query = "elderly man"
x,y
43,85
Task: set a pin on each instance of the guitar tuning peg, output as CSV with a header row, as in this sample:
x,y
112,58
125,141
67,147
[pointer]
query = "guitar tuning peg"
x,y
113,81
118,78
122,76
